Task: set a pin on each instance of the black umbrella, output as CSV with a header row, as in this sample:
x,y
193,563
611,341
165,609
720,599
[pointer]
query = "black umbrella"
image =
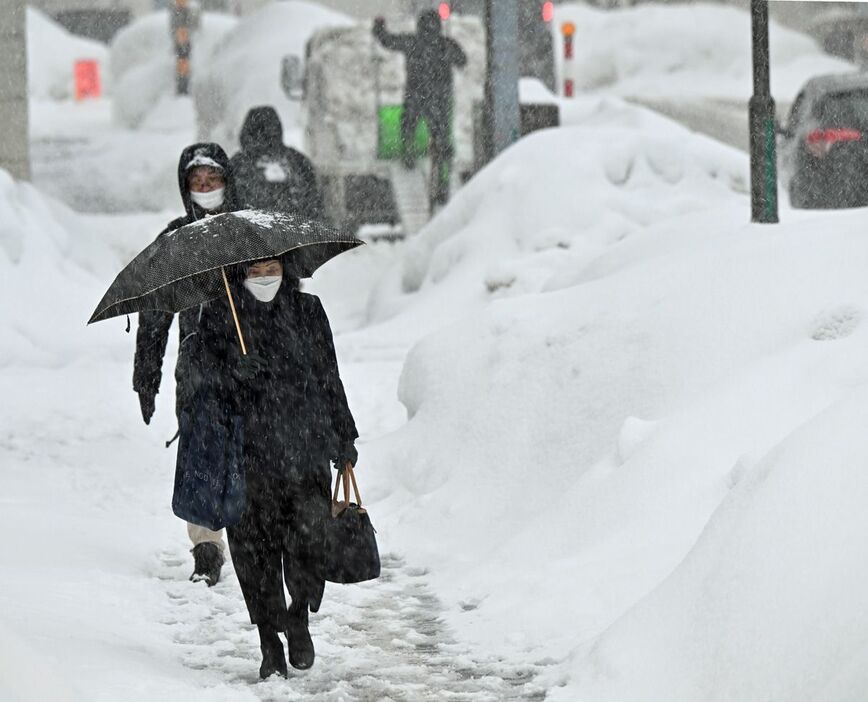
x,y
186,267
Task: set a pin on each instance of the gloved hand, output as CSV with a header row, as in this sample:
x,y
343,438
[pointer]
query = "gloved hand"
x,y
347,454
147,401
379,26
248,367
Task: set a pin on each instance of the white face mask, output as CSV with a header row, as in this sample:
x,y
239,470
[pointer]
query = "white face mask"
x,y
264,288
208,201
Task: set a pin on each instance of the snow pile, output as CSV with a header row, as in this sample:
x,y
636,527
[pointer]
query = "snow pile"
x,y
554,203
143,64
51,56
55,266
682,51
244,70
80,156
770,604
349,72
601,441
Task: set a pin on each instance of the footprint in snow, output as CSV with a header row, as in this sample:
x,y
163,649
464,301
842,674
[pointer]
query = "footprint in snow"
x,y
836,323
378,641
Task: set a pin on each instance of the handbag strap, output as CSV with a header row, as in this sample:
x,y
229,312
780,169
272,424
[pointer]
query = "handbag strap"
x,y
347,476
352,472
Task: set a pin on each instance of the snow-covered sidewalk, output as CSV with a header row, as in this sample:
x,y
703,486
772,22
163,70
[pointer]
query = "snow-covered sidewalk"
x,y
95,585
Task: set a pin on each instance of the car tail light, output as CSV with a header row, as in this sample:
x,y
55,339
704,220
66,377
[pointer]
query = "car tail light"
x,y
820,141
548,11
444,10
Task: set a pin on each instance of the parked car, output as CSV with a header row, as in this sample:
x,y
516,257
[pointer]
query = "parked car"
x,y
824,149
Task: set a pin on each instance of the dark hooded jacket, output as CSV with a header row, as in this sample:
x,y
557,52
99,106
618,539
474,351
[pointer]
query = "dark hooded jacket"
x,y
153,329
270,175
429,56
294,411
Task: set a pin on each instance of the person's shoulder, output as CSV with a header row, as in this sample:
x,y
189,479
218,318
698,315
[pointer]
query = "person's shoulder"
x,y
310,306
176,223
308,300
297,156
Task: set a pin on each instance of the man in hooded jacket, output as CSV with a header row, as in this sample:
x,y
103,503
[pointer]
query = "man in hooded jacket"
x,y
207,187
270,175
428,91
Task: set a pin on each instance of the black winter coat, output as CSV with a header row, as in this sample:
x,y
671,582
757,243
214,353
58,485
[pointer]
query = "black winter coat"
x,y
153,328
429,56
295,412
272,176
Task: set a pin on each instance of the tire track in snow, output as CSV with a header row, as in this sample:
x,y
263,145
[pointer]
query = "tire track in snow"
x,y
383,640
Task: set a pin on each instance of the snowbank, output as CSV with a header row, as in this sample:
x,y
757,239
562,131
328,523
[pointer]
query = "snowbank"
x,y
51,55
770,603
683,51
244,70
628,350
55,266
80,156
143,63
554,203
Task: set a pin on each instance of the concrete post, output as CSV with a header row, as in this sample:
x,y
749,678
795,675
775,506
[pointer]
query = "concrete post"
x,y
14,132
502,106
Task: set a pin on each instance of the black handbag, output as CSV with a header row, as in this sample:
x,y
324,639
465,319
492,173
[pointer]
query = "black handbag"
x,y
351,554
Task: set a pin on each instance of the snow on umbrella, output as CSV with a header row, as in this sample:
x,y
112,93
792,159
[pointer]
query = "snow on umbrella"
x,y
186,267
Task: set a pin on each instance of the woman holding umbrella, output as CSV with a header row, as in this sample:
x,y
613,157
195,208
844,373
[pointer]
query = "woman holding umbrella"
x,y
288,392
265,410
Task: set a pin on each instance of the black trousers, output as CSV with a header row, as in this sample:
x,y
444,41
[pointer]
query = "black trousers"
x,y
437,112
280,539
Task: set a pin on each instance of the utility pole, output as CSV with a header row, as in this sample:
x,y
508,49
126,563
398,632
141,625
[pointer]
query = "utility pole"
x,y
502,118
763,156
14,133
181,29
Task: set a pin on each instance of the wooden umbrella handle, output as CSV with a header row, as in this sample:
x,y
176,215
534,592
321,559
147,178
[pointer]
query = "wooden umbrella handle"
x,y
234,312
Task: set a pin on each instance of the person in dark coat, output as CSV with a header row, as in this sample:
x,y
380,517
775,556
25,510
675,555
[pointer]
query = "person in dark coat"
x,y
206,185
428,91
288,392
270,175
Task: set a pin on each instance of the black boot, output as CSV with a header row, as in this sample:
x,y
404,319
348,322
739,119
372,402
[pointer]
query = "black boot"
x,y
208,560
299,643
272,654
